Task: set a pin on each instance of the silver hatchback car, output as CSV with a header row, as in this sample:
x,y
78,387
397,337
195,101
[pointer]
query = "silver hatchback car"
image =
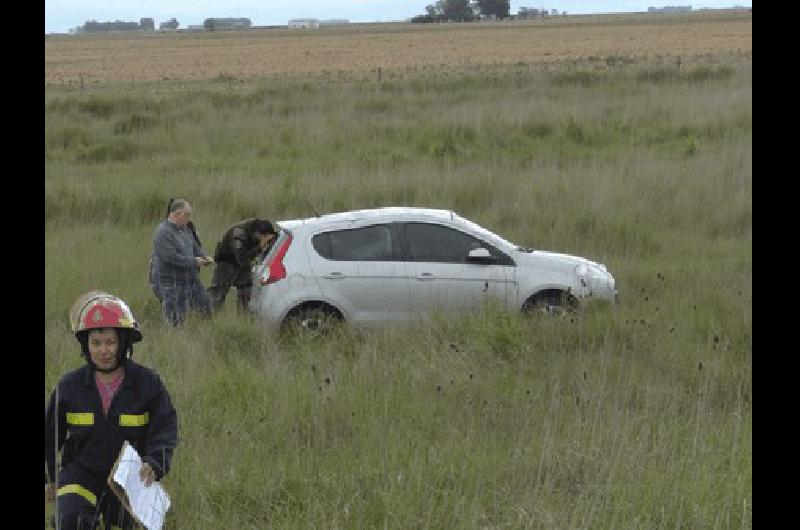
x,y
396,264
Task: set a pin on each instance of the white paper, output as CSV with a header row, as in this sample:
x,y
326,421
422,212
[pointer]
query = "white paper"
x,y
148,503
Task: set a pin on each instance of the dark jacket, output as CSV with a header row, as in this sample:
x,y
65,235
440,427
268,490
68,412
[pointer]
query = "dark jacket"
x,y
239,245
141,412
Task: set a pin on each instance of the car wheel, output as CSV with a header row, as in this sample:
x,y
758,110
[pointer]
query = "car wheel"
x,y
553,303
312,320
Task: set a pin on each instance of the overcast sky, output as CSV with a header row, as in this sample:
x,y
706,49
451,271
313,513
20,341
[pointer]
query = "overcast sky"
x,y
61,15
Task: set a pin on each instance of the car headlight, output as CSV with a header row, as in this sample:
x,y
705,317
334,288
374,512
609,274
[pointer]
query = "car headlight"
x,y
603,285
596,280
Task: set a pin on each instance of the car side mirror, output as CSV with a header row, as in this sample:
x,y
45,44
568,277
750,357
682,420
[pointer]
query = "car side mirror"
x,y
480,255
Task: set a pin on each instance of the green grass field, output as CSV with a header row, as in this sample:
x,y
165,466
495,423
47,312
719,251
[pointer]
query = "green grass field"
x,y
638,416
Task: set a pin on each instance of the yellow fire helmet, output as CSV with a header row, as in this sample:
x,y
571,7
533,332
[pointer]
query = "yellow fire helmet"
x,y
98,310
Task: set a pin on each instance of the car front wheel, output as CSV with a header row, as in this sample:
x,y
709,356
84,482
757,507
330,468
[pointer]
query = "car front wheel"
x,y
555,303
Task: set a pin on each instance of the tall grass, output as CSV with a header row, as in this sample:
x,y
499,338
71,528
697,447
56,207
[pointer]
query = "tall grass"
x,y
631,417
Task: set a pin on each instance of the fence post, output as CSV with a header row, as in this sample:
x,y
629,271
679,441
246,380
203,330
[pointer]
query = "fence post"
x,y
55,456
379,74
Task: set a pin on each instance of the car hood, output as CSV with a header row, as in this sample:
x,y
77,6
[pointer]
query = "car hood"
x,y
556,260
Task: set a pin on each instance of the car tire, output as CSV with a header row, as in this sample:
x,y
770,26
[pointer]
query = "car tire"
x,y
312,320
551,303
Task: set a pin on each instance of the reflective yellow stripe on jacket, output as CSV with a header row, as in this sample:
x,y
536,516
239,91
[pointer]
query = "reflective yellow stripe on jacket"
x,y
134,420
79,490
80,418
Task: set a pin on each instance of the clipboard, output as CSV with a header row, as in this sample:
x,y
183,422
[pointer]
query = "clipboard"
x,y
151,503
116,488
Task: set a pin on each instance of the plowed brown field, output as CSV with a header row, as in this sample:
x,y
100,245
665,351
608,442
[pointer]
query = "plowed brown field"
x,y
364,47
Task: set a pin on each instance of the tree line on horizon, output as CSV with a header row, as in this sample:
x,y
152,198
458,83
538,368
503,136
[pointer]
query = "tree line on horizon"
x,y
144,24
464,10
438,11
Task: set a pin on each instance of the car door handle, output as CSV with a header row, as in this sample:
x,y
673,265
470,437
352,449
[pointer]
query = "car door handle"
x,y
334,276
425,276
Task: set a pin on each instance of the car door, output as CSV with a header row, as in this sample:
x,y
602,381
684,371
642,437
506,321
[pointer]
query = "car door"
x,y
361,269
440,276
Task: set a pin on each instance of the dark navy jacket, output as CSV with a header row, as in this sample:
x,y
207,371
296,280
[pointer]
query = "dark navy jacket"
x,y
141,412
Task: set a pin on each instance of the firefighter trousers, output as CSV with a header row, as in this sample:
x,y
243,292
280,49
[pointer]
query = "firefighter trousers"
x,y
81,508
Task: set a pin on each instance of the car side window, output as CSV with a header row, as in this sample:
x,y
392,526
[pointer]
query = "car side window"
x,y
371,243
436,243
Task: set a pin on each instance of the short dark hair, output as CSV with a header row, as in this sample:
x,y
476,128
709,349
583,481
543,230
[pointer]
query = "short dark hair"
x,y
264,227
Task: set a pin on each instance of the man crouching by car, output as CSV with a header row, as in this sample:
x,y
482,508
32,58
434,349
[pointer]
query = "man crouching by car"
x,y
241,243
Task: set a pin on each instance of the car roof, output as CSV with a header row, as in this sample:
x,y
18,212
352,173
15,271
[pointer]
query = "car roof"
x,y
387,213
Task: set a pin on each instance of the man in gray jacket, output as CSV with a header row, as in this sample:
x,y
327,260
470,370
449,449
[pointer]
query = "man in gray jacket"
x,y
176,259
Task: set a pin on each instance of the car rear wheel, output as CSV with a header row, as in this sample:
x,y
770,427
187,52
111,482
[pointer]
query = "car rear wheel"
x,y
553,303
313,320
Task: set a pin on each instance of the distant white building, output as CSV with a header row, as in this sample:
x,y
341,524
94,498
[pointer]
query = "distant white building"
x,y
334,22
304,23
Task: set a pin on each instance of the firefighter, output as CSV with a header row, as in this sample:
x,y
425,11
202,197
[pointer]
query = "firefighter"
x,y
94,409
241,243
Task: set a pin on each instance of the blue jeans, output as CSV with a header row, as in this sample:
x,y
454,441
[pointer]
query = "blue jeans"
x,y
177,299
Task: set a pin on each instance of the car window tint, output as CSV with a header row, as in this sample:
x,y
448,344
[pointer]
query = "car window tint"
x,y
371,243
322,244
436,243
427,242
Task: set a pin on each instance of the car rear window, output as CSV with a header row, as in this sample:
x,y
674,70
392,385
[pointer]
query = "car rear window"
x,y
371,243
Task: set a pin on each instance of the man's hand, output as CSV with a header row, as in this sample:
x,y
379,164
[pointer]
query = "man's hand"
x,y
204,260
147,474
49,492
